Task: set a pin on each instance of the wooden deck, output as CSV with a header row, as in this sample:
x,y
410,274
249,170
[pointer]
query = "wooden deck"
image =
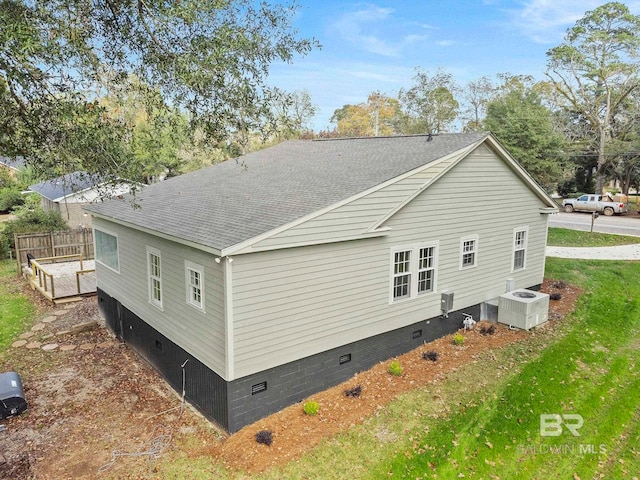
x,y
63,281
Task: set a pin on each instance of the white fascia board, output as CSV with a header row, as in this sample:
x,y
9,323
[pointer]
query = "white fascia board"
x,y
362,236
181,241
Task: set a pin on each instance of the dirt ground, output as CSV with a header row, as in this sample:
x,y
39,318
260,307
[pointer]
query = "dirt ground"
x,y
91,404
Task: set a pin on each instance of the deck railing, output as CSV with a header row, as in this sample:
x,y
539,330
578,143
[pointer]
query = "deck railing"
x,y
44,280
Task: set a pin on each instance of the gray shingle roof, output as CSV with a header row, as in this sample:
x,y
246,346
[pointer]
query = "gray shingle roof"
x,y
65,185
233,201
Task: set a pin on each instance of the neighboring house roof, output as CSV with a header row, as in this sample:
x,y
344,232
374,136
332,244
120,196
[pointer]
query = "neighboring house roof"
x,y
58,188
237,200
14,163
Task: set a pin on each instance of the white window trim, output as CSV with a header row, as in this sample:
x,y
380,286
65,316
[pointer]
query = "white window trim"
x,y
188,267
95,253
413,271
153,301
468,238
513,248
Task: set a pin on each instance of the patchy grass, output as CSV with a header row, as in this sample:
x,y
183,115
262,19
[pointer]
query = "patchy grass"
x,y
562,237
16,310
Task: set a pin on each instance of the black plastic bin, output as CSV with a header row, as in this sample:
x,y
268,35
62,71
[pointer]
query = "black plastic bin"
x,y
12,401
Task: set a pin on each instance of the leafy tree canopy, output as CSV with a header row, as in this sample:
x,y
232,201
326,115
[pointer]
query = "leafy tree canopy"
x,y
207,59
429,106
596,69
524,125
378,116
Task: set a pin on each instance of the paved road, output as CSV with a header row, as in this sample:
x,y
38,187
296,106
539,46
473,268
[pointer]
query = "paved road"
x,y
623,225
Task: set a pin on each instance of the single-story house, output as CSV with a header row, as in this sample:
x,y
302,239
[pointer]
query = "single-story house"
x,y
256,282
68,193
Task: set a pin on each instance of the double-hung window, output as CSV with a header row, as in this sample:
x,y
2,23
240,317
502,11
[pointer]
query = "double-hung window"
x,y
195,284
468,251
402,274
520,248
155,276
413,271
426,269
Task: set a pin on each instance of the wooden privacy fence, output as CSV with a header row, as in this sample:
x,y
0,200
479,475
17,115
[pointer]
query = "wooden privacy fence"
x,y
53,244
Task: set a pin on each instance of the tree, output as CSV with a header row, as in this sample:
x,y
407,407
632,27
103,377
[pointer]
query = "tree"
x,y
477,94
206,58
430,105
523,124
291,114
596,69
378,116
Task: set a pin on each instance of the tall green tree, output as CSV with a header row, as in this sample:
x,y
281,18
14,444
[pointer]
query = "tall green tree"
x,y
429,106
207,58
595,69
521,121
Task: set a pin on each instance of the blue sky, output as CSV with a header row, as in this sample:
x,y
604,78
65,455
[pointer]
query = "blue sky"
x,y
377,45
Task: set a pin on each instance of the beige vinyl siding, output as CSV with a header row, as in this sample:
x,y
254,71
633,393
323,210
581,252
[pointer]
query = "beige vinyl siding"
x,y
292,303
200,332
358,215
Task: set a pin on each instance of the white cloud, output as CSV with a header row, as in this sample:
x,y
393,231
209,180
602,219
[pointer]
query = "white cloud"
x,y
374,29
546,21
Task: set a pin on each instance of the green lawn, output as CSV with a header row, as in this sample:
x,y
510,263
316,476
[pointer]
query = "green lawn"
x,y
16,310
562,237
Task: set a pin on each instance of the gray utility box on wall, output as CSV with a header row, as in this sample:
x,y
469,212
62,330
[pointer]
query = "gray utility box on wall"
x,y
523,308
12,401
446,302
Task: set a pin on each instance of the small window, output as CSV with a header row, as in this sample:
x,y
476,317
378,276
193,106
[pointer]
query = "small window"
x,y
468,252
106,246
155,276
519,248
195,284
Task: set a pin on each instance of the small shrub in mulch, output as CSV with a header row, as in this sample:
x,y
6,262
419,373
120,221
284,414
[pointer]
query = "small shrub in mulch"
x,y
265,437
395,368
430,355
487,330
555,296
458,339
353,392
311,408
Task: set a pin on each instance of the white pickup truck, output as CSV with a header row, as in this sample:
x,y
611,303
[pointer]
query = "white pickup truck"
x,y
595,203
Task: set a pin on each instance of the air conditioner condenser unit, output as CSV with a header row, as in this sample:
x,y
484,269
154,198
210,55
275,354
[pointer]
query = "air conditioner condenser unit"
x,y
523,308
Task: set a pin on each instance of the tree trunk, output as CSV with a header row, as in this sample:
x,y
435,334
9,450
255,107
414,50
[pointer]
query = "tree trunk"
x,y
600,178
